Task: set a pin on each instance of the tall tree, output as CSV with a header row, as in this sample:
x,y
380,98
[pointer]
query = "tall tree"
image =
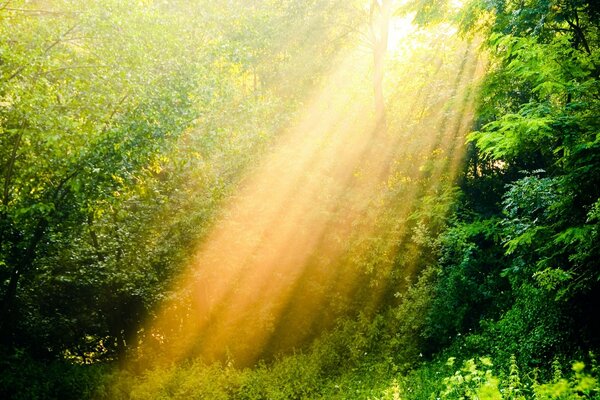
x,y
379,25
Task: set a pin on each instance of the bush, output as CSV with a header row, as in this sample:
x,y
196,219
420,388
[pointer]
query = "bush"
x,y
24,378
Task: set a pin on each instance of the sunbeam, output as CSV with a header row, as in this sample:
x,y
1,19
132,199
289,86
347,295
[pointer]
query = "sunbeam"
x,y
324,199
313,232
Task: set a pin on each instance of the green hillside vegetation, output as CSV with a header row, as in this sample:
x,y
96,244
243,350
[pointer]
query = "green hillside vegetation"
x,y
318,199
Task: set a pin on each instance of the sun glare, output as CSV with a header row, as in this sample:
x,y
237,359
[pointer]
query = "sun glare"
x,y
399,35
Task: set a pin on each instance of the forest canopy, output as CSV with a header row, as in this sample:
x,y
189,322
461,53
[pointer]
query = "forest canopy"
x,y
280,199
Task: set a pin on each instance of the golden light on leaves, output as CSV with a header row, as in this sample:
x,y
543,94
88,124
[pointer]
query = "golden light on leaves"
x,y
315,230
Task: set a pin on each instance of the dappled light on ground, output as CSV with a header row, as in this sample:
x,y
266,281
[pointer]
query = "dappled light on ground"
x,y
313,231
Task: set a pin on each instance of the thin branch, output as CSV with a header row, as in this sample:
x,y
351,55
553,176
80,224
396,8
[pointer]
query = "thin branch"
x,y
72,67
40,12
57,191
578,31
44,52
10,168
368,39
114,111
78,38
343,35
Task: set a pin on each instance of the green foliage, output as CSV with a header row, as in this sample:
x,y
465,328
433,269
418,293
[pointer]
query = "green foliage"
x,y
468,287
338,365
517,270
23,378
125,124
471,382
303,376
479,379
86,124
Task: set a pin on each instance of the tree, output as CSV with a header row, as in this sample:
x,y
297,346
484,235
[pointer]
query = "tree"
x,y
379,22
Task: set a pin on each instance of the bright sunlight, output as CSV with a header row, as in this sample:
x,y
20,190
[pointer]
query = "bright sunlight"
x,y
290,250
282,199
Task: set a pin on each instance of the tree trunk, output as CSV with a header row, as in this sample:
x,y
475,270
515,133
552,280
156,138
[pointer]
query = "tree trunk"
x,y
380,13
22,263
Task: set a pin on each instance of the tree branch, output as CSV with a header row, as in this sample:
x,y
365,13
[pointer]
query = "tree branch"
x,y
72,67
39,12
44,52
